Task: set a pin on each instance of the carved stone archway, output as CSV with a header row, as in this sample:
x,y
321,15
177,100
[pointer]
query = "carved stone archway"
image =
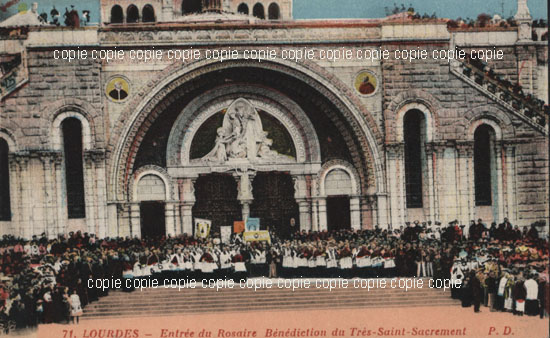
x,y
129,130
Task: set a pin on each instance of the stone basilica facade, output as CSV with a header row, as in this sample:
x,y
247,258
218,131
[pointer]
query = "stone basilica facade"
x,y
134,148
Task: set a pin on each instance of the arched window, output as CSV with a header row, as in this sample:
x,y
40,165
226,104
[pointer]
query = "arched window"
x,y
5,206
483,143
148,14
74,171
191,6
414,137
132,14
258,11
243,9
273,12
116,14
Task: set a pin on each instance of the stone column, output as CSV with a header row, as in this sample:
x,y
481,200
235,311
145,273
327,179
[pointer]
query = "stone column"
x,y
123,219
301,194
170,217
510,183
499,198
314,205
434,154
355,212
244,194
100,192
134,219
396,183
26,221
381,209
60,195
186,212
15,197
49,197
112,220
322,202
89,192
466,191
368,212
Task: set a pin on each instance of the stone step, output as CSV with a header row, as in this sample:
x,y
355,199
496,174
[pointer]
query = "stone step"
x,y
161,301
213,299
214,293
180,309
170,291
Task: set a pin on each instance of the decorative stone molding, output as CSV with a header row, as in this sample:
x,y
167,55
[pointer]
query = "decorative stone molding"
x,y
203,107
342,165
58,110
56,138
405,101
10,140
156,171
498,120
428,118
126,131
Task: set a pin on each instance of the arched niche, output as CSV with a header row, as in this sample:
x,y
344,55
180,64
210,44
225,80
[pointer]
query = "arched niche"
x,y
151,183
285,111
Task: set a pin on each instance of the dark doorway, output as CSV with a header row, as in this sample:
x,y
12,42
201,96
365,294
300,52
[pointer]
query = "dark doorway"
x,y
482,164
216,200
191,6
148,14
273,12
413,135
243,9
338,217
5,208
258,11
153,223
116,14
274,202
74,170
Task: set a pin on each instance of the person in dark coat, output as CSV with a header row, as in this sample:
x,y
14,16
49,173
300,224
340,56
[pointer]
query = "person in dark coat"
x,y
543,297
466,293
520,293
477,292
491,283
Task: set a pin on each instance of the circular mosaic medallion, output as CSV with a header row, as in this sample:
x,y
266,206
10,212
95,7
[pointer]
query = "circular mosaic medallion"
x,y
117,89
366,82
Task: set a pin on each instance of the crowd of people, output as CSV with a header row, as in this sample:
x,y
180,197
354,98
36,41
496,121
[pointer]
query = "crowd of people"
x,y
46,280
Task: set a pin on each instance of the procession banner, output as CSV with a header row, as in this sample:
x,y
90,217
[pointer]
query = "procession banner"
x,y
202,227
238,227
225,234
252,224
257,236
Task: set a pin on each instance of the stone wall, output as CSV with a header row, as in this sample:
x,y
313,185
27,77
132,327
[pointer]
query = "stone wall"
x,y
452,106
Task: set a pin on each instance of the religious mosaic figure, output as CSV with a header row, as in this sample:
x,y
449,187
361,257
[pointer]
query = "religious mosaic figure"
x,y
241,136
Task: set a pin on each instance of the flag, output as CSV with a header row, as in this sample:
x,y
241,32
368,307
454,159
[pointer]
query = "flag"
x,y
253,236
202,227
225,234
252,224
238,227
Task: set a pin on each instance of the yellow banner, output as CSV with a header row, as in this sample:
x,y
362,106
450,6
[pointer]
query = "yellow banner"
x,y
261,235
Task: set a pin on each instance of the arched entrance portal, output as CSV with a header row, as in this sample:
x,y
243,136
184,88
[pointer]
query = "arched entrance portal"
x,y
216,200
152,219
320,125
274,202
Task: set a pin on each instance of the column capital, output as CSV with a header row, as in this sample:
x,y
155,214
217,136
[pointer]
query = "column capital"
x,y
395,149
465,148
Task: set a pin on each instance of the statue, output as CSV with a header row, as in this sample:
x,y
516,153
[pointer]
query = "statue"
x,y
241,136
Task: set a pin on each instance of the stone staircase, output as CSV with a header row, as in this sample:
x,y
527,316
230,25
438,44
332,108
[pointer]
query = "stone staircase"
x,y
530,109
162,302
